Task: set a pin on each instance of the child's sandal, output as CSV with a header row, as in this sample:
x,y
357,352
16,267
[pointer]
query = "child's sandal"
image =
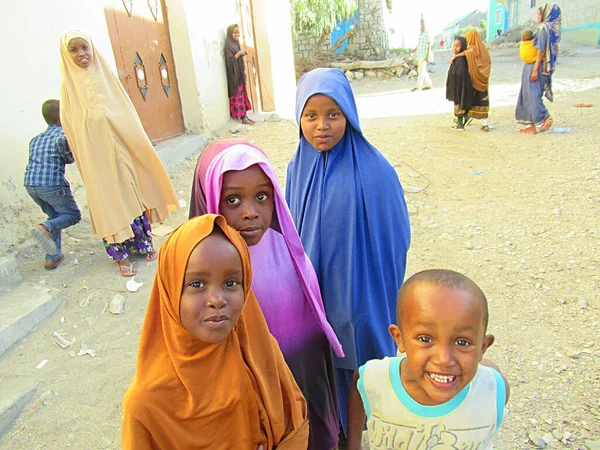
x,y
126,271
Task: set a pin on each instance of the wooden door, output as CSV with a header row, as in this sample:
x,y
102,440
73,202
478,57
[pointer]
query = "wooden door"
x,y
139,34
246,24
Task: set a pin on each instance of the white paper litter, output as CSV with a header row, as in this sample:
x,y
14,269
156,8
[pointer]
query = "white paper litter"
x,y
133,286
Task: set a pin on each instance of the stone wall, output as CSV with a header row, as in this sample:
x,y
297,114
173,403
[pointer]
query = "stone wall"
x,y
305,44
370,40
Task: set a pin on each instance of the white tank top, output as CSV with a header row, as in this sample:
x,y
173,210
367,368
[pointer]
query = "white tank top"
x,y
467,422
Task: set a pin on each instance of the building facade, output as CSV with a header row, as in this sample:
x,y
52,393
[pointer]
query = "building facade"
x,y
169,56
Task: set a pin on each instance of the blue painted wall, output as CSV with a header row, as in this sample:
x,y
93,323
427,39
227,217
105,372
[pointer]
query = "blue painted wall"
x,y
493,9
342,28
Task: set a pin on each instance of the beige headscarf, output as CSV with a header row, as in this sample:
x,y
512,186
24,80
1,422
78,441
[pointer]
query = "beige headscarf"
x,y
122,173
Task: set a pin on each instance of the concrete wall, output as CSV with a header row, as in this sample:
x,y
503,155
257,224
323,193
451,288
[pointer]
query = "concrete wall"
x,y
198,34
30,75
580,19
273,32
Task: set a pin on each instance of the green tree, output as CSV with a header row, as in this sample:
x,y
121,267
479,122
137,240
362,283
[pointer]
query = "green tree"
x,y
483,26
319,16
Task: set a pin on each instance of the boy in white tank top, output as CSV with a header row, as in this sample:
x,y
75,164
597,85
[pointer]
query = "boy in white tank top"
x,y
442,395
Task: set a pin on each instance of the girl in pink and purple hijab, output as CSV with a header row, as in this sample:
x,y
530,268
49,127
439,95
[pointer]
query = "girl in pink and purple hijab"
x,y
235,178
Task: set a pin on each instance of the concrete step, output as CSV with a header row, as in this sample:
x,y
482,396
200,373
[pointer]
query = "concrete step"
x,y
22,309
176,150
14,396
9,274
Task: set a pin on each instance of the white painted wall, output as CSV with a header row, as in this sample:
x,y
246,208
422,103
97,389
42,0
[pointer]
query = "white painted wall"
x,y
30,74
273,31
206,26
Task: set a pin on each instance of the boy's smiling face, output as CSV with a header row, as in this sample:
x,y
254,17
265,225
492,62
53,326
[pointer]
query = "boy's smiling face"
x,y
442,331
81,52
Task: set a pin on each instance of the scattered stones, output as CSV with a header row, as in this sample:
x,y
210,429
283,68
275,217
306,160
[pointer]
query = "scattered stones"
x,y
537,440
583,304
272,118
117,304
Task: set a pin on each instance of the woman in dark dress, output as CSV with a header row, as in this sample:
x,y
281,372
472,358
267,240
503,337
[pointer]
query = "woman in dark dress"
x,y
239,103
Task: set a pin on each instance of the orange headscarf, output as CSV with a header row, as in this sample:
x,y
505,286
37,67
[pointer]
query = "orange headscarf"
x,y
122,172
479,61
235,394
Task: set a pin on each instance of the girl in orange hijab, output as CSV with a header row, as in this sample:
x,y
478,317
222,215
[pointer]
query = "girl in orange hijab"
x,y
209,374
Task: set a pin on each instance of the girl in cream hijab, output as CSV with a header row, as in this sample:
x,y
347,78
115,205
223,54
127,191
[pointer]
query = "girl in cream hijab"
x,y
127,187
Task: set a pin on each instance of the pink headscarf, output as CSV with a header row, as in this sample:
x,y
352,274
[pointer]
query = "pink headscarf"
x,y
227,155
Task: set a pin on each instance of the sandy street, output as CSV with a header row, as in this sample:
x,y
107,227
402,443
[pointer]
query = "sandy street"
x,y
518,214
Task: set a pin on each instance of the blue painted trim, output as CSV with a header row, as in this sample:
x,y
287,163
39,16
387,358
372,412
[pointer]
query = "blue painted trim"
x,y
582,27
585,27
500,397
360,384
415,407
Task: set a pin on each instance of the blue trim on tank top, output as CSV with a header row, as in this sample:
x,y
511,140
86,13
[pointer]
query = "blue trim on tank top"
x,y
415,407
500,397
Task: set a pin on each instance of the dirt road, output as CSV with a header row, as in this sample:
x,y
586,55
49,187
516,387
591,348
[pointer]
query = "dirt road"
x,y
518,214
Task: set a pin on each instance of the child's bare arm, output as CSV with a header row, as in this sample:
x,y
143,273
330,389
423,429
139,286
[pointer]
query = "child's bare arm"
x,y
488,363
356,416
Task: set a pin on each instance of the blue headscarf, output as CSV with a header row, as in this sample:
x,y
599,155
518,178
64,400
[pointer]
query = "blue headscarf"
x,y
349,209
551,22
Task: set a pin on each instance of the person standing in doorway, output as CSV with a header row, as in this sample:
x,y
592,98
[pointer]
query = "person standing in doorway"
x,y
239,103
422,54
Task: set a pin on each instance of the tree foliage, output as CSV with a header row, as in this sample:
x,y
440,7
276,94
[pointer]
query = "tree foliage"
x,y
320,16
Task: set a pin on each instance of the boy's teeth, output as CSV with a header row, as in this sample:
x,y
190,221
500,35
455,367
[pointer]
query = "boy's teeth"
x,y
441,378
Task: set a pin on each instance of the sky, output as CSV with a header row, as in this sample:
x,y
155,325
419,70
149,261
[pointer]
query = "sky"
x,y
406,15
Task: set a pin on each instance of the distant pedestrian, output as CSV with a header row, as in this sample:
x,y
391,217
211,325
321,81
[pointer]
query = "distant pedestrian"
x,y
459,87
536,79
498,32
422,53
442,43
479,63
46,184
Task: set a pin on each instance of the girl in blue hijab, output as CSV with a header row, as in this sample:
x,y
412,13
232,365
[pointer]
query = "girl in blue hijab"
x,y
349,209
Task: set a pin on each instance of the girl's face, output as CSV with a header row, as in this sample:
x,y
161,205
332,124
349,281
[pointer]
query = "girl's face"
x,y
235,34
213,295
81,52
539,15
323,123
247,202
456,47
